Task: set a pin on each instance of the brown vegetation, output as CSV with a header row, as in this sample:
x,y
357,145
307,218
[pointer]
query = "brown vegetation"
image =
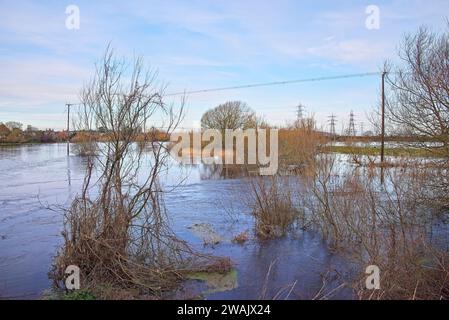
x,y
12,133
272,206
299,144
241,237
116,229
387,224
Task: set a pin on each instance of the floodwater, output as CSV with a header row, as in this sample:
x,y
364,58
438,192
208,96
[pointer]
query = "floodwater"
x,y
34,178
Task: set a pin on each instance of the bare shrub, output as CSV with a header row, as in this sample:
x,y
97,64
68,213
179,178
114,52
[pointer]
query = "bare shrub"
x,y
272,206
83,144
241,237
298,146
116,229
417,104
272,198
420,272
382,224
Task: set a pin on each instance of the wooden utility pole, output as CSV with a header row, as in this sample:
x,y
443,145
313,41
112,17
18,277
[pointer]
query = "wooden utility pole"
x,y
382,133
68,128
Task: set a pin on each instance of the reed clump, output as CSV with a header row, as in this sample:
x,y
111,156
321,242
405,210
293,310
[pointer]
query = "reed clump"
x,y
272,207
83,144
299,144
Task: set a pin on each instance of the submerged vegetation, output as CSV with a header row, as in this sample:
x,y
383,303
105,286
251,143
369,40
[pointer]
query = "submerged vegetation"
x,y
389,223
272,207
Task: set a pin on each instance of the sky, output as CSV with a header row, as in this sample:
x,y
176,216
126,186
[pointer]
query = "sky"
x,y
207,44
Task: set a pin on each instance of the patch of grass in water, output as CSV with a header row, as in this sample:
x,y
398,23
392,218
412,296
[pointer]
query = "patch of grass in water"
x,y
59,294
216,282
207,233
375,151
79,295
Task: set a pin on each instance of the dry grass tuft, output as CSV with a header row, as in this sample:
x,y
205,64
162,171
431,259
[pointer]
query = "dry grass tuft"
x,y
273,207
241,238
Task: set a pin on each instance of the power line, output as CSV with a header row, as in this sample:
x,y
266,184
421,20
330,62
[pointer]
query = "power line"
x,y
276,83
267,84
300,108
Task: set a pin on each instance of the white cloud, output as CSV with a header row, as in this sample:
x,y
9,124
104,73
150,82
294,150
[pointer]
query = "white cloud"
x,y
353,51
39,80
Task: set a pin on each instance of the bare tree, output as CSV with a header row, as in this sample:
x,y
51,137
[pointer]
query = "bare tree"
x,y
419,102
229,115
116,229
14,125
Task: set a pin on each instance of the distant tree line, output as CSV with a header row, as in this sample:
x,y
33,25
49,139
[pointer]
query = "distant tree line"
x,y
13,132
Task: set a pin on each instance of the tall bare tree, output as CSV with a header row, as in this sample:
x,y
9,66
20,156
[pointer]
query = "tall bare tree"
x,y
229,115
419,102
116,230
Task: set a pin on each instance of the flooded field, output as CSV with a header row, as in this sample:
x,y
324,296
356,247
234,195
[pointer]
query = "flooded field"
x,y
37,178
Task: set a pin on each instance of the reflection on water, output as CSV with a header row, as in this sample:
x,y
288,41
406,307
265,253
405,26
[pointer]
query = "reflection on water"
x,y
33,177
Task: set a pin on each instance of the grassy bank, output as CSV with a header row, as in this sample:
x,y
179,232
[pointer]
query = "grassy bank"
x,y
375,151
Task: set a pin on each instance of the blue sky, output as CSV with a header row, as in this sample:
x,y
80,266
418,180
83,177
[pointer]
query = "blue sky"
x,y
206,44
